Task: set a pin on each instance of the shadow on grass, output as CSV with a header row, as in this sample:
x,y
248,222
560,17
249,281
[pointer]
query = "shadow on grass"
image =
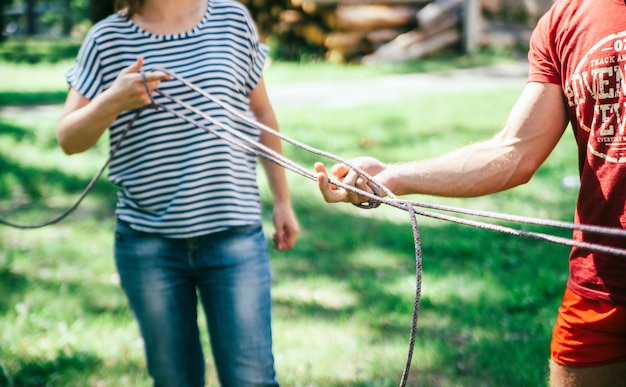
x,y
37,185
12,287
31,98
67,368
72,300
31,184
486,296
46,372
16,132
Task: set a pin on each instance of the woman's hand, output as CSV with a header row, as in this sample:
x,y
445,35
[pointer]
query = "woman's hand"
x,y
286,227
129,90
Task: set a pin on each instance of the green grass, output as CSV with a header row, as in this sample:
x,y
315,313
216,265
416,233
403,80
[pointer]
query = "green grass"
x,y
44,81
343,296
36,50
310,71
33,83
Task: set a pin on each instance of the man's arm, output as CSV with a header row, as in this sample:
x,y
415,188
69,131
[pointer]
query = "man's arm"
x,y
510,158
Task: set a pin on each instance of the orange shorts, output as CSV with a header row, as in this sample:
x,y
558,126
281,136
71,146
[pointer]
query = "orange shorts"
x,y
588,333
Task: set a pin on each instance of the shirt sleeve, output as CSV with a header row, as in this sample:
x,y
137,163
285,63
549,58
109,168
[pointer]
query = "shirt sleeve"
x,y
84,75
543,59
258,53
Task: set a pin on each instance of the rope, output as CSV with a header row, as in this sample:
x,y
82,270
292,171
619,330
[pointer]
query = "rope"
x,y
242,141
87,189
375,200
247,143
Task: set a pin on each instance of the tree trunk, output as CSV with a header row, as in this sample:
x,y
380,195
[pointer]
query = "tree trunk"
x,y
67,18
3,4
99,9
31,18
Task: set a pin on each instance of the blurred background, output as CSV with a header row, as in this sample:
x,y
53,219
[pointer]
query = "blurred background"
x,y
337,31
394,79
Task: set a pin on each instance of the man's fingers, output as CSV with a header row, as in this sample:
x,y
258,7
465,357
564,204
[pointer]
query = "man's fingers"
x,y
330,193
340,170
355,180
322,180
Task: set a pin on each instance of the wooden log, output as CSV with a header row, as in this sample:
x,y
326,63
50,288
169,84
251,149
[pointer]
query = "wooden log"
x,y
381,36
491,6
429,17
308,6
291,16
413,45
368,17
348,43
312,33
472,25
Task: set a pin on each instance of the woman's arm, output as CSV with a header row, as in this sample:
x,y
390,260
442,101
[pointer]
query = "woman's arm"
x,y
83,121
285,222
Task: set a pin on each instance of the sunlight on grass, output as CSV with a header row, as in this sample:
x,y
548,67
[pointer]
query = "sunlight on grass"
x,y
343,297
42,125
317,291
38,77
334,355
461,287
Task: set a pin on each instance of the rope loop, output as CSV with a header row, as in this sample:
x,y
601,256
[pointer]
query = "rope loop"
x,y
152,105
371,203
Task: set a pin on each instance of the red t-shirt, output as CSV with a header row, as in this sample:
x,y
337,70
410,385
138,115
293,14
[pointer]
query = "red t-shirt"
x,y
581,46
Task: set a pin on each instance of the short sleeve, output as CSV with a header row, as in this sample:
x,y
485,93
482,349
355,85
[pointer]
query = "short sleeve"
x,y
84,75
258,54
544,63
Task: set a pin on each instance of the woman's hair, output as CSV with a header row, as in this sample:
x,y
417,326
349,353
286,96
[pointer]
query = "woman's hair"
x,y
131,6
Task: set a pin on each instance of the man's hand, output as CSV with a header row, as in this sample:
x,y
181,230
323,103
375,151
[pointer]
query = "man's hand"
x,y
348,176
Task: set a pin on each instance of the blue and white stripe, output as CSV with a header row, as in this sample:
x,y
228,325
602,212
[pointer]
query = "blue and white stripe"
x,y
176,179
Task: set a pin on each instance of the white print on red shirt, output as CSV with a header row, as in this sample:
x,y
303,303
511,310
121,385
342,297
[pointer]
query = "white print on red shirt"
x,y
600,78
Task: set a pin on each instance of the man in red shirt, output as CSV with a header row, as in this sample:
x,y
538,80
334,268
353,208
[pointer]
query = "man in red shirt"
x,y
577,75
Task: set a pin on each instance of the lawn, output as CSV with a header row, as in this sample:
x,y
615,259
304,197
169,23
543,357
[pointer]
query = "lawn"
x,y
342,297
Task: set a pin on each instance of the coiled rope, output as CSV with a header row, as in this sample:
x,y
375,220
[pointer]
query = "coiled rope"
x,y
414,208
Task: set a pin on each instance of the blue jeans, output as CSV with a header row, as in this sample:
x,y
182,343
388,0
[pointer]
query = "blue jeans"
x,y
230,271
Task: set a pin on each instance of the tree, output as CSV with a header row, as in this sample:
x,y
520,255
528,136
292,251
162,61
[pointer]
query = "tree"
x,y
3,5
266,14
31,18
99,9
67,22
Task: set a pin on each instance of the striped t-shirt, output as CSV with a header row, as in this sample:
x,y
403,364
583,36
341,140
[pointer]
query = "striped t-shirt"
x,y
175,178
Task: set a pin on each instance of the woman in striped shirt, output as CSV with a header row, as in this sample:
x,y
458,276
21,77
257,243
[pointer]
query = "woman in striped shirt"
x,y
188,216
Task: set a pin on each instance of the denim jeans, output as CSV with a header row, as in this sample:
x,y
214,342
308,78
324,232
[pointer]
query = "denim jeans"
x,y
230,272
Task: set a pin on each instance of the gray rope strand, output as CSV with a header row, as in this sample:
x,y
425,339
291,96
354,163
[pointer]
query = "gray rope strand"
x,y
486,214
260,150
392,200
87,189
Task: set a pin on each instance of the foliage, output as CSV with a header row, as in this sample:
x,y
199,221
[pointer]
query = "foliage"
x,y
342,298
38,50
